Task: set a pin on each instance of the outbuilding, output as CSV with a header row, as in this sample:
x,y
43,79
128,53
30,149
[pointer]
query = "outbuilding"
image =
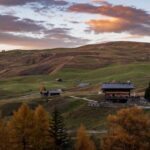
x,y
52,92
55,92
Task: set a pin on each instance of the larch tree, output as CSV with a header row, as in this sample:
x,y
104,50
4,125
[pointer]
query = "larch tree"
x,y
42,88
83,141
129,129
21,128
4,136
41,139
58,131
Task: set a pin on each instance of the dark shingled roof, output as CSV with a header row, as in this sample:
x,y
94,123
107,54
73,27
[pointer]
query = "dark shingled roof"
x,y
117,86
55,91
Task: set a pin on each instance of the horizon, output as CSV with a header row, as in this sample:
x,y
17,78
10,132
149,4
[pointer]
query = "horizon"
x,y
48,24
7,50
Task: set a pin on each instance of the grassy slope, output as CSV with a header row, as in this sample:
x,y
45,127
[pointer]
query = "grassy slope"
x,y
138,73
120,62
21,63
75,112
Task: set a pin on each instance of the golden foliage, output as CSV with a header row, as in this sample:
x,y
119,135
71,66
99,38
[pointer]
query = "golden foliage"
x,y
83,140
42,88
21,128
129,129
4,136
41,137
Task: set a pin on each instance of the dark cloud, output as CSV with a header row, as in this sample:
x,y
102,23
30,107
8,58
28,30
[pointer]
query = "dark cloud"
x,y
103,2
123,18
58,31
15,24
47,42
54,37
74,22
118,11
23,2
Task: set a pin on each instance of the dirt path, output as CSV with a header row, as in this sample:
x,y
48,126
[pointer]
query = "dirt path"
x,y
112,106
25,98
60,66
83,98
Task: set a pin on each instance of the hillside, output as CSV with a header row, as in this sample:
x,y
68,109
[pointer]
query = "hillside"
x,y
21,62
22,72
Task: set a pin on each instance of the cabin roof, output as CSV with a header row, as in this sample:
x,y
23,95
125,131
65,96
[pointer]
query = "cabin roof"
x,y
106,86
55,91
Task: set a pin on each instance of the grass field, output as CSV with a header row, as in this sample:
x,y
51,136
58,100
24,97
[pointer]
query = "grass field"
x,y
23,72
138,73
14,91
75,112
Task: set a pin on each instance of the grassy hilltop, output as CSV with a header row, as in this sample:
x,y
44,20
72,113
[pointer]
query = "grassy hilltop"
x,y
22,72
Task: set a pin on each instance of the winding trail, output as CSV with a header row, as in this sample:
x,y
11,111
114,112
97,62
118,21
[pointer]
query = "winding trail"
x,y
24,98
112,106
83,98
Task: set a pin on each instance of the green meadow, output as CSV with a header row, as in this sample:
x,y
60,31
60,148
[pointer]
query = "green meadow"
x,y
138,73
14,91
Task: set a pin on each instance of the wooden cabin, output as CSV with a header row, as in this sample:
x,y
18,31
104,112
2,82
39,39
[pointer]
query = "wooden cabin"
x,y
54,92
117,92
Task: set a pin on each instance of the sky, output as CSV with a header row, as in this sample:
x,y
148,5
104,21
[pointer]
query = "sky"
x,y
42,24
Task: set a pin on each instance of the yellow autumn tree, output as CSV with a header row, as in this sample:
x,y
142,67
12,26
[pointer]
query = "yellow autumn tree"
x,y
42,88
83,141
4,136
21,128
41,139
129,129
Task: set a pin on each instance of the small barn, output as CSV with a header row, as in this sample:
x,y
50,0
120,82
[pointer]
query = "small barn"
x,y
59,80
52,92
55,92
117,92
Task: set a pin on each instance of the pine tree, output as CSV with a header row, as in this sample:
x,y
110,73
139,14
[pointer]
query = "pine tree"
x,y
129,129
4,136
41,138
83,140
58,132
147,92
21,128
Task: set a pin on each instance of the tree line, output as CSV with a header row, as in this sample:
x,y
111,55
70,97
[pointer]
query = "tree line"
x,y
27,129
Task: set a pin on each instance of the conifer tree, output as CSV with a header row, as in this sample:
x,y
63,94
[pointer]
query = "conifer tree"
x,y
147,93
4,136
58,131
129,129
41,138
83,141
21,129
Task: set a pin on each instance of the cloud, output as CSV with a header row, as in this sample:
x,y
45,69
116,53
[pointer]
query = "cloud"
x,y
23,2
104,2
15,24
56,37
112,25
15,31
121,18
